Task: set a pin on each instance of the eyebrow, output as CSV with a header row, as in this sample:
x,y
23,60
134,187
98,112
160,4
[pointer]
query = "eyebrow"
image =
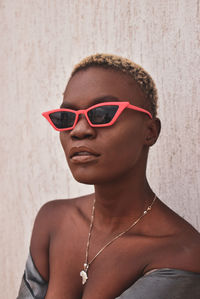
x,y
102,99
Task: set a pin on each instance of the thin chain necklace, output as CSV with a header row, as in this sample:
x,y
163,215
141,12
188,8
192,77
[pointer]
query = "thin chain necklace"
x,y
86,265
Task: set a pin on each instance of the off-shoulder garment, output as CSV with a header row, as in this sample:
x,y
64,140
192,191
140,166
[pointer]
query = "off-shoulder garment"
x,y
159,284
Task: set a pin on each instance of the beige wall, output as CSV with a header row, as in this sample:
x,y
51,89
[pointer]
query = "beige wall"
x,y
40,42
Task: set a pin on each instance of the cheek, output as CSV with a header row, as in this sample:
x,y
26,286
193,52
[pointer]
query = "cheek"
x,y
124,149
64,142
122,152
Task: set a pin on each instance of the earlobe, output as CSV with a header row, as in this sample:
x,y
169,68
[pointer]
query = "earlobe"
x,y
153,131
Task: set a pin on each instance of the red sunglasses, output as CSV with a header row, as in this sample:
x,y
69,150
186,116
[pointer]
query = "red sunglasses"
x,y
99,115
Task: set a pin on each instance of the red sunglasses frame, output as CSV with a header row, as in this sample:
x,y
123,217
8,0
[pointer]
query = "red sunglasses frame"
x,y
121,105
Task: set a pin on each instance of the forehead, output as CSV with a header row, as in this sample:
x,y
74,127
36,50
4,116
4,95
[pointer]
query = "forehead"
x,y
98,82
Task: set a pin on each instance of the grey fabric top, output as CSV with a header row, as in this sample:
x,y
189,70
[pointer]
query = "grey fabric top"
x,y
165,284
158,284
32,285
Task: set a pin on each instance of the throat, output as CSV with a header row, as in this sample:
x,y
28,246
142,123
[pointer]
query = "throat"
x,y
118,203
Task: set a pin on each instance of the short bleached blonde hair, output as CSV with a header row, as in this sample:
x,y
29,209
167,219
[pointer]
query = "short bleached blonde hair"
x,y
140,76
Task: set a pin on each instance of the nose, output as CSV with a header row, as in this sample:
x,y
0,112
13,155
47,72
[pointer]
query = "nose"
x,y
83,129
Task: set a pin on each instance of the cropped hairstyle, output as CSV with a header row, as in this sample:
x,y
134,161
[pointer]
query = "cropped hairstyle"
x,y
118,63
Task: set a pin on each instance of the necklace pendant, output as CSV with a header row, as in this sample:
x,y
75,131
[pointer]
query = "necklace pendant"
x,y
83,273
84,276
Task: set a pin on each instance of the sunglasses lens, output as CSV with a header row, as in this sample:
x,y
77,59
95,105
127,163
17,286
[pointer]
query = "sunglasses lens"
x,y
62,119
102,114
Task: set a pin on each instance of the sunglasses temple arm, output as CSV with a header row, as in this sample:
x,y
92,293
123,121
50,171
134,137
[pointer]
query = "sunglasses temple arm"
x,y
140,110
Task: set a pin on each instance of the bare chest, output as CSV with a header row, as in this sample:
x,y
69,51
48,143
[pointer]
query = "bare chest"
x,y
110,273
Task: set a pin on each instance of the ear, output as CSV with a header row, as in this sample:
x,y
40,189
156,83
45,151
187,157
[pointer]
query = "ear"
x,y
153,131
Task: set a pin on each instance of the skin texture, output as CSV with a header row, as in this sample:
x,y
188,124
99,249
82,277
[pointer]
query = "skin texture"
x,y
161,239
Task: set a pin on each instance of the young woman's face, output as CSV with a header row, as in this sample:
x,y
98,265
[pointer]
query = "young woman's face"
x,y
100,155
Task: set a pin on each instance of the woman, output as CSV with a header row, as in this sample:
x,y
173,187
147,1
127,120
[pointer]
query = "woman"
x,y
121,241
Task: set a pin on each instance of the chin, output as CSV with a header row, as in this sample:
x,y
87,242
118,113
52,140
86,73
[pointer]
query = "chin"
x,y
82,175
88,177
84,179
85,173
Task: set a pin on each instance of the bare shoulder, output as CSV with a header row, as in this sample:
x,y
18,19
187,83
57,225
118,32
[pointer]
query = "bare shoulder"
x,y
188,246
179,245
52,212
51,216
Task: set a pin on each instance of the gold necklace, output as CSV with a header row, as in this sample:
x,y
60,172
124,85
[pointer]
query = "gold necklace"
x,y
86,265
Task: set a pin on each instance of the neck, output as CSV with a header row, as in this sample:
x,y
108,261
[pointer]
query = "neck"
x,y
121,200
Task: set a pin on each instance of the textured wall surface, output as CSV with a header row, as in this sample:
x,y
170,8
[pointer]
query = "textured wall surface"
x,y
40,42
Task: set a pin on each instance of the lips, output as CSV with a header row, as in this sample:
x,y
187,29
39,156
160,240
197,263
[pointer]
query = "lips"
x,y
83,154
